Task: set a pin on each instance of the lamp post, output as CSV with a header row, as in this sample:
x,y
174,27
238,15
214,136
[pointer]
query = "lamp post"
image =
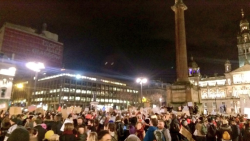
x,y
141,80
160,99
36,67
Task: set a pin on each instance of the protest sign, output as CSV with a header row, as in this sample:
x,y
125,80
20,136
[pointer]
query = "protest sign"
x,y
190,104
186,134
64,113
186,110
15,110
31,108
40,110
3,107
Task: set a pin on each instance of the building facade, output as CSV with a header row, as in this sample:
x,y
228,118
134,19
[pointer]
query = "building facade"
x,y
25,44
229,93
7,74
69,89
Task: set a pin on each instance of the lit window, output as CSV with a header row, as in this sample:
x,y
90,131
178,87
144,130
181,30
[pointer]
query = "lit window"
x,y
77,98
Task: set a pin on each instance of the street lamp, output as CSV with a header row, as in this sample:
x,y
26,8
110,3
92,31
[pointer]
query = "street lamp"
x,y
36,67
141,80
160,99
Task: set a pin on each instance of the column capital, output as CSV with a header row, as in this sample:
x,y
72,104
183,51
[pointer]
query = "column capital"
x,y
179,4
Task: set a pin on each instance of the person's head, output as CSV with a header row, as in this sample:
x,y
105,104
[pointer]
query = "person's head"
x,y
111,127
49,127
153,122
138,125
20,134
68,126
184,123
81,129
58,118
160,124
13,120
92,136
201,119
79,121
233,122
104,136
91,122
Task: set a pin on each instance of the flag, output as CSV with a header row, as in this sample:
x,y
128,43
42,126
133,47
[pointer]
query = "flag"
x,y
59,109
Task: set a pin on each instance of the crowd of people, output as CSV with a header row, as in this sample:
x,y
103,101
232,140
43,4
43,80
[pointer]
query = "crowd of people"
x,y
127,126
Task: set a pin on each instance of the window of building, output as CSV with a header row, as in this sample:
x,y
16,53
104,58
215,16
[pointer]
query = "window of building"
x,y
77,98
214,104
84,91
205,104
71,98
78,91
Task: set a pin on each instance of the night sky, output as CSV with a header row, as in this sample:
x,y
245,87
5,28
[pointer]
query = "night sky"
x,y
137,36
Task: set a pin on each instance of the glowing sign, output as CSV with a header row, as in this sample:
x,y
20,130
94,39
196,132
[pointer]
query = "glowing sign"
x,y
10,71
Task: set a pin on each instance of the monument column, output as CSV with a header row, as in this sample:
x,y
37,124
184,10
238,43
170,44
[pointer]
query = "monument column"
x,y
180,41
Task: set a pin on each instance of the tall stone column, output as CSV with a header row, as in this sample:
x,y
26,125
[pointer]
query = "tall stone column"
x,y
180,41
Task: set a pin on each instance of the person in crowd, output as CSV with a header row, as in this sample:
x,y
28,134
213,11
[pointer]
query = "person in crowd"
x,y
162,131
235,131
29,122
80,121
126,128
175,128
33,134
150,133
112,131
119,128
19,134
104,136
5,125
57,124
91,126
39,128
146,124
49,132
167,120
192,125
67,134
201,135
140,132
184,124
211,130
13,120
132,137
92,136
225,131
81,136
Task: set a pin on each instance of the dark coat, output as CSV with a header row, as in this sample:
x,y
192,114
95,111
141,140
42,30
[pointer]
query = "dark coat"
x,y
56,127
68,136
41,132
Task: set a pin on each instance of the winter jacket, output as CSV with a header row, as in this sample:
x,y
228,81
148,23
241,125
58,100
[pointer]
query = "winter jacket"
x,y
150,134
41,132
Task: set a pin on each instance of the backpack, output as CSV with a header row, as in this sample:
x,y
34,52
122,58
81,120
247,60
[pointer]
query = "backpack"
x,y
203,129
120,130
211,131
159,136
226,136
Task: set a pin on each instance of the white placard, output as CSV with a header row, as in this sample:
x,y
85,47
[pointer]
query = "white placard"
x,y
186,110
190,104
247,112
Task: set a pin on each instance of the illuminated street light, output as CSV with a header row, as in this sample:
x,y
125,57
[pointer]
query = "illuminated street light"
x,y
19,86
160,99
36,67
141,80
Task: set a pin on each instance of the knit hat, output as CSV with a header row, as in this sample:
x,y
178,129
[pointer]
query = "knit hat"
x,y
132,137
